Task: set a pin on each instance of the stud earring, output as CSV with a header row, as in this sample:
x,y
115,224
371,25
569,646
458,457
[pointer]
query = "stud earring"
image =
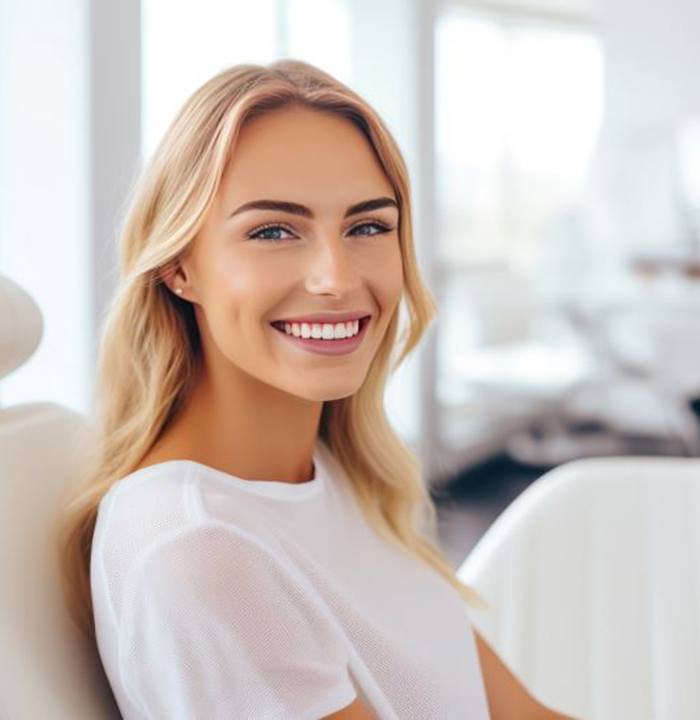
x,y
178,291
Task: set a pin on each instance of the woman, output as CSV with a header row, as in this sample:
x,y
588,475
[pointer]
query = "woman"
x,y
253,540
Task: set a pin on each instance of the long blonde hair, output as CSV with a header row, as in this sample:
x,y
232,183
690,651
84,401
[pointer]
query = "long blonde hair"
x,y
149,348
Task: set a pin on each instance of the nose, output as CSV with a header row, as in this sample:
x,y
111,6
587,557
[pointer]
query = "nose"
x,y
332,269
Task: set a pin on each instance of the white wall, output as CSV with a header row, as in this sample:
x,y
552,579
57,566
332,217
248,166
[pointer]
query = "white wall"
x,y
652,71
44,189
69,143
114,60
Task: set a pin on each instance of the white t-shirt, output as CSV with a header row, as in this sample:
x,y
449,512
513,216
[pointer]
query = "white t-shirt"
x,y
219,597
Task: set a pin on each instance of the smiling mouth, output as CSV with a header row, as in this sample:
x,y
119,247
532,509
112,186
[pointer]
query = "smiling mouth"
x,y
329,346
279,325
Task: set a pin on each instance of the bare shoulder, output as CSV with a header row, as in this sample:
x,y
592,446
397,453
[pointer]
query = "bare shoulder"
x,y
167,448
508,698
356,710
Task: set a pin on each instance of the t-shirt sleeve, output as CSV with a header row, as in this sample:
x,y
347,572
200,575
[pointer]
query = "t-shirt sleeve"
x,y
214,626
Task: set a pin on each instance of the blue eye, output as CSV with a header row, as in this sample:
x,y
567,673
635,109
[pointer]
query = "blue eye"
x,y
256,234
382,228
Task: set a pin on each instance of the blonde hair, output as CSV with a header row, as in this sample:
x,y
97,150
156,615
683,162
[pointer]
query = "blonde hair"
x,y
149,347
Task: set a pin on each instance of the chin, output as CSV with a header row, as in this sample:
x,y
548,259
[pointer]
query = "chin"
x,y
327,394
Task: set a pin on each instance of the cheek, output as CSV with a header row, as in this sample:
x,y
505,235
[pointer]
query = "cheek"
x,y
236,277
388,279
234,294
251,287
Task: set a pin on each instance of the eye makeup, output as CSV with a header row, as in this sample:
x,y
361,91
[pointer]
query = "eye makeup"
x,y
381,229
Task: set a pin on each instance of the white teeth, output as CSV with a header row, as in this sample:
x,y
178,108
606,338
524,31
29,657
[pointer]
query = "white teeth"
x,y
325,331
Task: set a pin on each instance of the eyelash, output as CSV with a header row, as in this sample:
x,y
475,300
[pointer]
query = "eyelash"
x,y
251,235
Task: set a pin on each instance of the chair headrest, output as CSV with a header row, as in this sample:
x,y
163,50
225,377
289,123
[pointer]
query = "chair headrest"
x,y
21,326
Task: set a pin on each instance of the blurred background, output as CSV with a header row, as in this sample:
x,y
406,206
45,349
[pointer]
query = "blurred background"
x,y
554,154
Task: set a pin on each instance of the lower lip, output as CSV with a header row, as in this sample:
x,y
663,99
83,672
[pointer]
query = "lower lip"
x,y
329,347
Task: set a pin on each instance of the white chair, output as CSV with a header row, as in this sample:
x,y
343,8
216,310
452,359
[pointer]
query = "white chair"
x,y
48,670
593,573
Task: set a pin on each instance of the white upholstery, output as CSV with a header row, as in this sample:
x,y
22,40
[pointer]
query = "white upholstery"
x,y
48,670
21,326
594,577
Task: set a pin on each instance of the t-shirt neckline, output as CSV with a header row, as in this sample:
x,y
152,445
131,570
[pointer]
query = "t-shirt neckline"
x,y
268,488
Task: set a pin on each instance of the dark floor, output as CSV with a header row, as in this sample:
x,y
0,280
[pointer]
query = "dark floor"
x,y
471,501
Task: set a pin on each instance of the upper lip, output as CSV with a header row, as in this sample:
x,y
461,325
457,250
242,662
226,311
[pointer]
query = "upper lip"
x,y
326,317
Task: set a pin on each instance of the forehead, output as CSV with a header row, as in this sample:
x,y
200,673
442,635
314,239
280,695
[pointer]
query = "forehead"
x,y
313,157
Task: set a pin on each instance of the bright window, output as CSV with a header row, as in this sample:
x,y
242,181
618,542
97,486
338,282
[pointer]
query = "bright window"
x,y
186,43
518,110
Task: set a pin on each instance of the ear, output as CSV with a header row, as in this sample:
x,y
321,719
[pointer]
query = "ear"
x,y
174,278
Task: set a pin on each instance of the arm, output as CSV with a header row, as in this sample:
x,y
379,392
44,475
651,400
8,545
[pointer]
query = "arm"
x,y
212,626
508,699
356,710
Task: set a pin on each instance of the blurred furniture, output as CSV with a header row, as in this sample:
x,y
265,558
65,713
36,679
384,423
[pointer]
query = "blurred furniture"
x,y
547,384
651,266
593,574
49,671
647,370
505,363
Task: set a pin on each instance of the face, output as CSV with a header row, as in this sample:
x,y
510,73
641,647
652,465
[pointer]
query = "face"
x,y
250,267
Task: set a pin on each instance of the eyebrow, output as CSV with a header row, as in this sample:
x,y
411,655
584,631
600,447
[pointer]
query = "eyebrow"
x,y
296,209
